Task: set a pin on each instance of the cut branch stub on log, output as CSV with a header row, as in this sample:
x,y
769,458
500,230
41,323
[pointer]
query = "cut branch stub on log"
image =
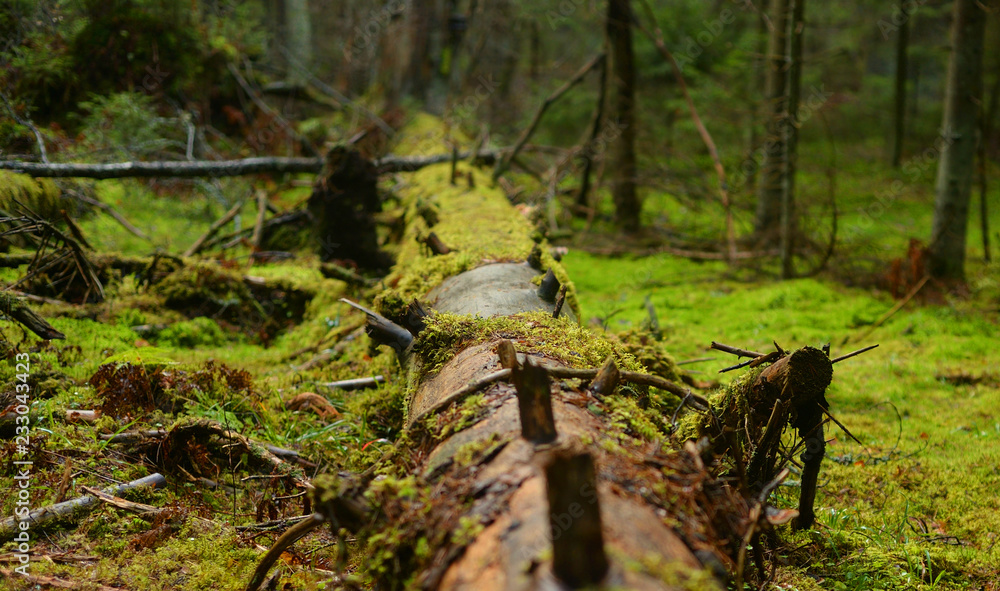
x,y
534,399
607,379
385,332
578,557
435,244
549,288
507,354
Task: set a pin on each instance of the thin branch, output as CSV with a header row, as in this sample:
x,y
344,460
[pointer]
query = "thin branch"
x,y
285,541
266,109
735,350
508,157
332,93
112,212
853,353
705,136
27,123
194,248
896,308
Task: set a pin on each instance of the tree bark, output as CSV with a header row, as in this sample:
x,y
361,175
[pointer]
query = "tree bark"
x,y
768,219
623,184
960,125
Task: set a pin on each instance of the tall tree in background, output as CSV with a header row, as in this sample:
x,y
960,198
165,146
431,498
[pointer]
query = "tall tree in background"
x,y
622,79
791,129
899,102
960,126
298,40
768,219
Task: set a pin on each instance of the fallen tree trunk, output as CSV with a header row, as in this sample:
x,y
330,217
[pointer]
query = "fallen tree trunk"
x,y
505,476
220,168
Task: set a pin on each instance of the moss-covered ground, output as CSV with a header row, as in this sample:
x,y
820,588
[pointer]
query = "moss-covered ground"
x,y
915,505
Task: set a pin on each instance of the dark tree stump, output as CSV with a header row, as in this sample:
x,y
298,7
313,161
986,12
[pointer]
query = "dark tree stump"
x,y
342,204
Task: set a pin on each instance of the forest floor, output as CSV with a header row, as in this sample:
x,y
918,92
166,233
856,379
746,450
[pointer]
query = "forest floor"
x,y
914,506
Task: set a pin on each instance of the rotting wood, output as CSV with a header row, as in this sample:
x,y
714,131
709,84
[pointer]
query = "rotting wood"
x,y
472,469
435,244
17,310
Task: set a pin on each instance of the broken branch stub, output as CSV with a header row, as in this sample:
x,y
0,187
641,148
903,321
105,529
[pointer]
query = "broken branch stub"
x,y
549,287
801,379
507,354
606,380
534,399
578,557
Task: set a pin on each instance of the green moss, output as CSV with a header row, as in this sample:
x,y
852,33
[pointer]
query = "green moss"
x,y
534,332
40,196
200,556
191,334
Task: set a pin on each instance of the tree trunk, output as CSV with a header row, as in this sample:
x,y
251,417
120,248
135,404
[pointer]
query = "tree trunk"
x,y
768,222
622,78
899,104
298,40
957,165
788,225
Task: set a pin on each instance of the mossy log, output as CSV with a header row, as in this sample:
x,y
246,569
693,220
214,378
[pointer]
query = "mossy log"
x,y
483,493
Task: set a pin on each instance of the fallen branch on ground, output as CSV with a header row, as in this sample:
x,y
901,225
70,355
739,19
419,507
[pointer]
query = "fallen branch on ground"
x,y
77,506
219,168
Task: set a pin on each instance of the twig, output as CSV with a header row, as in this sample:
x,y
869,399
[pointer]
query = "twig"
x,y
896,308
291,535
112,212
43,581
27,123
332,93
355,384
119,502
508,157
258,228
698,360
266,109
19,311
459,394
233,212
734,350
853,353
841,425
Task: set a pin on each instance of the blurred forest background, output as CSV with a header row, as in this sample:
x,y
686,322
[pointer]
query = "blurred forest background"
x,y
157,80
